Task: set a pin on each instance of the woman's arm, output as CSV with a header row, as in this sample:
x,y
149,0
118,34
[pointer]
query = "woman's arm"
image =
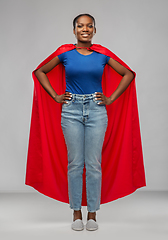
x,y
44,81
128,76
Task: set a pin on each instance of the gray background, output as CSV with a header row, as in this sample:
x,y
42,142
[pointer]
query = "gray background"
x,y
30,30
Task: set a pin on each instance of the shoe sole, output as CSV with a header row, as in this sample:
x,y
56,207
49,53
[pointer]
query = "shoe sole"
x,y
91,229
78,229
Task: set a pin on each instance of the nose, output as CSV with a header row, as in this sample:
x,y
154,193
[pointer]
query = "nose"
x,y
85,28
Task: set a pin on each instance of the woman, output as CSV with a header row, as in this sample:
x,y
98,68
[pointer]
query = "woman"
x,y
84,115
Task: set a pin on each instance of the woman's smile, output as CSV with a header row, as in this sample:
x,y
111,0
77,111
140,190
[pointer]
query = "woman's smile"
x,y
85,35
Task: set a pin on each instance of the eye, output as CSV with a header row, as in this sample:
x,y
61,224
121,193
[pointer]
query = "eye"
x,y
90,26
79,26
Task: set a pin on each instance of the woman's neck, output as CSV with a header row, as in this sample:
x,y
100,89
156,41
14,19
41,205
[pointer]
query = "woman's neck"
x,y
83,44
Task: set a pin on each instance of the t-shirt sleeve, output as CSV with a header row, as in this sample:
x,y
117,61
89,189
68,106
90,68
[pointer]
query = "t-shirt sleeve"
x,y
107,59
61,57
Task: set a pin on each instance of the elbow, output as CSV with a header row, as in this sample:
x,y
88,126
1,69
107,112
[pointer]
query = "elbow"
x,y
36,73
131,76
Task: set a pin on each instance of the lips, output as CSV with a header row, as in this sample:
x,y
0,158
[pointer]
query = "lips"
x,y
85,35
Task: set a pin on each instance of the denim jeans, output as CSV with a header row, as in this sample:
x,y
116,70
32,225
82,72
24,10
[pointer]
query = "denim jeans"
x,y
84,124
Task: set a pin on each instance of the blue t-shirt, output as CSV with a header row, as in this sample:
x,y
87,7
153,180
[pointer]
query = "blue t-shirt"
x,y
83,72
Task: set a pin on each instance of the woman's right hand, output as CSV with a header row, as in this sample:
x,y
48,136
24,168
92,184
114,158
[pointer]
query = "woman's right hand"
x,y
62,98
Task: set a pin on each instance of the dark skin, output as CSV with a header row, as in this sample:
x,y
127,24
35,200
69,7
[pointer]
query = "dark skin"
x,y
84,32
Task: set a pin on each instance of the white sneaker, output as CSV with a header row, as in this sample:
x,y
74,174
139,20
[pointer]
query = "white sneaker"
x,y
77,225
91,225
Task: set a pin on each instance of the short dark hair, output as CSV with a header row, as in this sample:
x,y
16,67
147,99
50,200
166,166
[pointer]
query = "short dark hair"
x,y
80,15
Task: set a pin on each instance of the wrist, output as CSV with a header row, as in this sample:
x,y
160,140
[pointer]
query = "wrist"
x,y
54,96
111,99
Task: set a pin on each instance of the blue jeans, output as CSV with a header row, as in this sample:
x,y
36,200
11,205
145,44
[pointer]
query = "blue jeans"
x,y
84,124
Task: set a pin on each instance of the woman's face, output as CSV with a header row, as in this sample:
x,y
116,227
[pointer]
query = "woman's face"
x,y
84,29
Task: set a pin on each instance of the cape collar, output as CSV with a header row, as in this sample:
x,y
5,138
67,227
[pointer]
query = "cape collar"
x,y
88,48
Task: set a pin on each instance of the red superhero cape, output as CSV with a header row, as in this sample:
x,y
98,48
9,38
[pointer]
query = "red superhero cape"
x,y
122,158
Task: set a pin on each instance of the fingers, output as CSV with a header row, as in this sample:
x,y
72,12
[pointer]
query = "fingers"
x,y
99,96
63,98
100,103
66,96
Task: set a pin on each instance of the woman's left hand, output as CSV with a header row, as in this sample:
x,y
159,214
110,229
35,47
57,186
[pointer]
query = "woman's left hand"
x,y
104,100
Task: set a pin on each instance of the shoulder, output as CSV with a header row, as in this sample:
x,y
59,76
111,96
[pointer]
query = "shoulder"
x,y
101,56
107,52
64,52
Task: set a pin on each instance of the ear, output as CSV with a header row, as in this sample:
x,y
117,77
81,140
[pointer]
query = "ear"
x,y
94,30
74,31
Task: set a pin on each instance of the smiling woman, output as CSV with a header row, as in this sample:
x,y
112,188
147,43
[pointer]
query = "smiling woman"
x,y
84,29
74,156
